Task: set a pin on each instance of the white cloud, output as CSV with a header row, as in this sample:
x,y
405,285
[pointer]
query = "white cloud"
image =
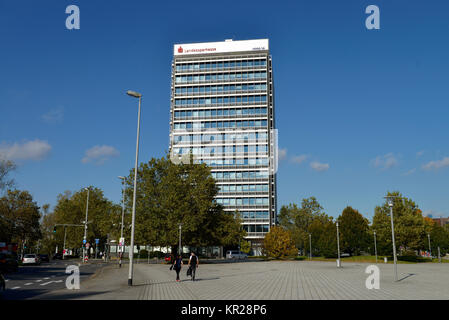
x,y
410,172
385,162
99,154
299,159
27,150
54,116
436,164
419,153
282,154
317,166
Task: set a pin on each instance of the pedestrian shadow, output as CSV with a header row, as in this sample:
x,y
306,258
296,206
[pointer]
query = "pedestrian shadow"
x,y
407,276
200,279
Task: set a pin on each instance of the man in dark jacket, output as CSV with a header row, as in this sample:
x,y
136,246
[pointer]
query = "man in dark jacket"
x,y
193,264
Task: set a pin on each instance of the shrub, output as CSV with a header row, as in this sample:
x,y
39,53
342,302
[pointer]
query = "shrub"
x,y
279,244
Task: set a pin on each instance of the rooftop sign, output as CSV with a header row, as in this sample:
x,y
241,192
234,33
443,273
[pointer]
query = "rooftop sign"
x,y
219,47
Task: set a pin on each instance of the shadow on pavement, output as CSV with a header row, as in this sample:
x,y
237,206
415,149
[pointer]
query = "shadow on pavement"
x,y
407,276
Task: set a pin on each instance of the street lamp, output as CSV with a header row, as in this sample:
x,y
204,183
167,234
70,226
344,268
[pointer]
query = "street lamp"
x,y
85,226
123,213
338,248
131,251
390,204
430,248
375,245
310,243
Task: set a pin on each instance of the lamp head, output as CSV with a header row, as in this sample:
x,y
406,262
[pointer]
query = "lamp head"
x,y
133,94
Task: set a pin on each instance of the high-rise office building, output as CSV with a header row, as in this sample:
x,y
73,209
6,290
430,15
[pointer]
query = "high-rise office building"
x,y
222,112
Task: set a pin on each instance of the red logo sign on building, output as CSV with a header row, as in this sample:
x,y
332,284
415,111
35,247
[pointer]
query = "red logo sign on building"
x,y
180,50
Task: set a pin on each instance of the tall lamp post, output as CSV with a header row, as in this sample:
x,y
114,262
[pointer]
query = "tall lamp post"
x,y
390,204
85,226
310,244
375,245
338,248
180,248
131,251
123,214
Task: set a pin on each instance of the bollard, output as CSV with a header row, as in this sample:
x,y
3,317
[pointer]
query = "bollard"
x,y
385,259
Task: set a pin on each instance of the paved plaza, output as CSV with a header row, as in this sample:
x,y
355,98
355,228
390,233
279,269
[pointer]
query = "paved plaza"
x,y
269,280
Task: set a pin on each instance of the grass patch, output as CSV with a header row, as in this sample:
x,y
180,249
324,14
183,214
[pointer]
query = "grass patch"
x,y
380,259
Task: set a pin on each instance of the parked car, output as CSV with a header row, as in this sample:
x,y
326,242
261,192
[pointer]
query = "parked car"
x,y
31,259
8,263
235,254
44,257
57,256
168,258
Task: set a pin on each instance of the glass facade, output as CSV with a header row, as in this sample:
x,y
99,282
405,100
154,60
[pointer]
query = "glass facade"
x,y
222,112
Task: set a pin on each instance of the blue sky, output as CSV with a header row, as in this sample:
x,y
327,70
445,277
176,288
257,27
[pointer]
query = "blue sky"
x,y
359,111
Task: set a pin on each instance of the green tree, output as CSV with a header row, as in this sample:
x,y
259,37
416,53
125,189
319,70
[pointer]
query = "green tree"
x,y
245,246
327,240
354,230
299,221
48,241
279,244
408,224
6,167
20,217
439,237
103,217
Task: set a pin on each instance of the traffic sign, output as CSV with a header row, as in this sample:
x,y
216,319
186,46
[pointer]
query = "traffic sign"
x,y
97,241
84,241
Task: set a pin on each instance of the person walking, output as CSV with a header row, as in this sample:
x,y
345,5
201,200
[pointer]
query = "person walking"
x,y
177,265
193,265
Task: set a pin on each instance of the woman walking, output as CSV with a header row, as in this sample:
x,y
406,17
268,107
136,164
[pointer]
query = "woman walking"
x,y
177,264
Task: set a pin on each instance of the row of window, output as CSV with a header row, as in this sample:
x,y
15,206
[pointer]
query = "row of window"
x,y
242,201
221,124
228,150
220,112
224,137
226,188
220,65
220,100
256,228
235,162
240,175
223,88
254,214
222,77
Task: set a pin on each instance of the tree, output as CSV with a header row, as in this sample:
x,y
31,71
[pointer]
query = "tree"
x,y
327,240
439,237
168,194
354,229
20,217
103,216
299,221
279,244
47,224
409,226
245,246
6,167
